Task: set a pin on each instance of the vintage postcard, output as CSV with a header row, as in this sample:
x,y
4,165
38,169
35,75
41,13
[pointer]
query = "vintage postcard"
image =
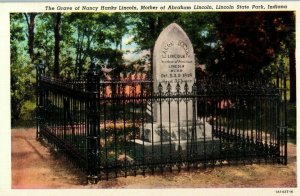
x,y
156,97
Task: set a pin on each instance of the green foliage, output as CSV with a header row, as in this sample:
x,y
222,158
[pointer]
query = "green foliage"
x,y
44,42
291,121
27,115
22,89
22,78
28,110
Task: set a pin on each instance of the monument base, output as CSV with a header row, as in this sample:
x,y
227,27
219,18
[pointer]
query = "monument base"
x,y
168,141
166,131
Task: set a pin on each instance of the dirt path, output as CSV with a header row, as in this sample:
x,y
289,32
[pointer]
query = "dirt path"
x,y
34,167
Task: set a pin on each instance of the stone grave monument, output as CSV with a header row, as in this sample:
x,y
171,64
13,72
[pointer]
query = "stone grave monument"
x,y
173,63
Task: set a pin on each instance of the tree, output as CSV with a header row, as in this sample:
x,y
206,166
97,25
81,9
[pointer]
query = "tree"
x,y
44,40
90,33
30,19
292,61
56,46
147,27
250,41
21,71
285,24
119,27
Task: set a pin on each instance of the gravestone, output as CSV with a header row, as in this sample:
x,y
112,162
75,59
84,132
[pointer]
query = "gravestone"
x,y
175,122
173,63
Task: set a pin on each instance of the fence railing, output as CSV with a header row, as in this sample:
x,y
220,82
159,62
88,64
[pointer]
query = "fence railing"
x,y
120,128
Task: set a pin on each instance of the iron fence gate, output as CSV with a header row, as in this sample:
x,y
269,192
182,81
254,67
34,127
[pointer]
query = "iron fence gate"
x,y
110,129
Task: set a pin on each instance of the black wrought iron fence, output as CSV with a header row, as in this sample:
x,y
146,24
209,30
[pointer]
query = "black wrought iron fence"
x,y
119,128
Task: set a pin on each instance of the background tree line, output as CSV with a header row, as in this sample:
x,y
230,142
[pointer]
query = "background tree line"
x,y
239,44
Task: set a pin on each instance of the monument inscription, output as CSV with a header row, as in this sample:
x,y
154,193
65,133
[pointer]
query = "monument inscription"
x,y
173,58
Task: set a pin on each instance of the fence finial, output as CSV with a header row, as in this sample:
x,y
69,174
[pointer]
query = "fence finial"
x,y
41,67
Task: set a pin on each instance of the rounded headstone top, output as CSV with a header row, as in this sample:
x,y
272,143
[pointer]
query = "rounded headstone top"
x,y
173,58
167,30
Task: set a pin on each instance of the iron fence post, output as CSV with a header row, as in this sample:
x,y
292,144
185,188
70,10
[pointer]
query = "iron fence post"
x,y
282,116
93,126
193,149
285,121
284,127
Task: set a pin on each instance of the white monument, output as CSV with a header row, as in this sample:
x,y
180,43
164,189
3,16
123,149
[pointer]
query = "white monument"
x,y
173,63
174,121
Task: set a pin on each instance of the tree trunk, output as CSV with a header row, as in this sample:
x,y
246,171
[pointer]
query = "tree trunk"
x,y
292,59
56,45
151,73
153,33
30,22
